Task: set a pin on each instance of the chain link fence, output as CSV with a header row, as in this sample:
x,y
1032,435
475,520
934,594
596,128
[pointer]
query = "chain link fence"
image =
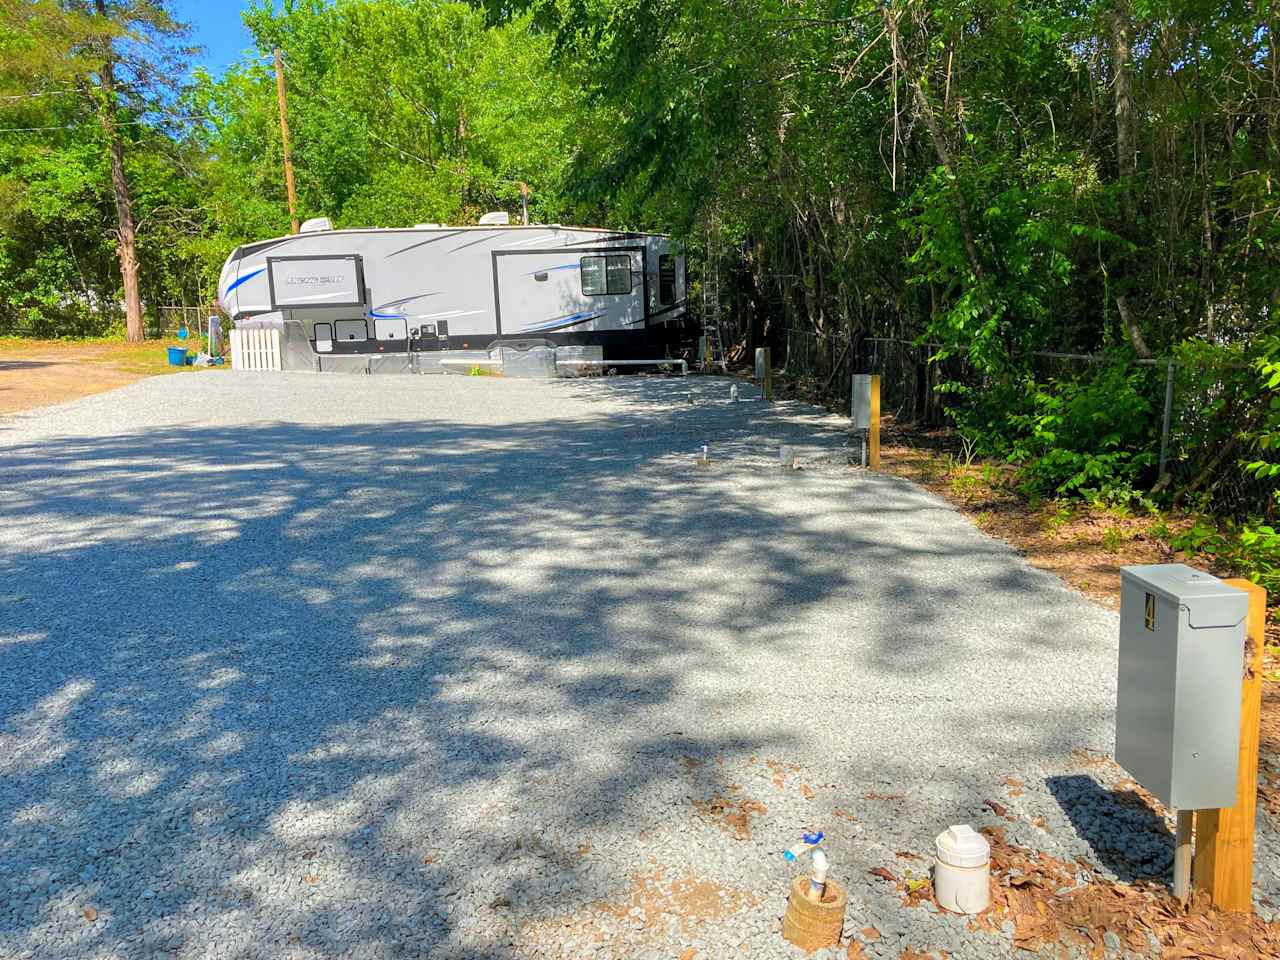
x,y
158,323
1198,406
909,379
165,322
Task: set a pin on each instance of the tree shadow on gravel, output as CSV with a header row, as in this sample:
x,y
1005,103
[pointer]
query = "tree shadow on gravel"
x,y
314,690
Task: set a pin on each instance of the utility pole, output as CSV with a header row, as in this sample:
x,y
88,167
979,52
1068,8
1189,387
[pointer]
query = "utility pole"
x,y
524,202
284,139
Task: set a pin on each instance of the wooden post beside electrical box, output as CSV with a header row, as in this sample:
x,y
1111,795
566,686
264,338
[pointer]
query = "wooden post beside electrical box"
x,y
873,439
1224,838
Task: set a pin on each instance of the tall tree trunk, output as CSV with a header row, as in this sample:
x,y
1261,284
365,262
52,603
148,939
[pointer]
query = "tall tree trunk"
x,y
126,245
939,141
1126,155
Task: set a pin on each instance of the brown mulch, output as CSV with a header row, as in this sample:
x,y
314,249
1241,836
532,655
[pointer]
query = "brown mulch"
x,y
1053,902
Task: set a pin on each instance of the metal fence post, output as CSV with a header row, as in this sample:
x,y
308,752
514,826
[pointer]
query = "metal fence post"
x,y
1166,423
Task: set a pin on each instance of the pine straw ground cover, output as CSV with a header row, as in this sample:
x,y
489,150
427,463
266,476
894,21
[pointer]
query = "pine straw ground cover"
x,y
1056,903
1062,908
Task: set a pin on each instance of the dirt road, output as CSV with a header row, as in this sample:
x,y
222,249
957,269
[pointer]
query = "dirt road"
x,y
39,373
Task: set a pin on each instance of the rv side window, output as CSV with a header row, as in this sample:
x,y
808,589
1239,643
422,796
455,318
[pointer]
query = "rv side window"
x,y
351,330
603,275
324,331
666,278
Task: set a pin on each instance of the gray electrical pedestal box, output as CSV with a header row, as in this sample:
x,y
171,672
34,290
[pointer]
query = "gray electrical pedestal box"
x,y
860,401
1178,690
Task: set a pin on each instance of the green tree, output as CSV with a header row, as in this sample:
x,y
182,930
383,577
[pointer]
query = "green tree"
x,y
121,57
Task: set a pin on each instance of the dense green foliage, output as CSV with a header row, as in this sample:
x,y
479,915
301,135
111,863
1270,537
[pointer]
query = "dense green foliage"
x,y
400,113
988,178
1250,550
1007,179
1087,438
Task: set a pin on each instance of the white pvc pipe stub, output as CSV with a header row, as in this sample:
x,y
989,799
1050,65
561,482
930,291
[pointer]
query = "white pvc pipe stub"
x,y
962,872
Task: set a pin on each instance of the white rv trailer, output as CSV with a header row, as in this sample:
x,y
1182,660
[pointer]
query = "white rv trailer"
x,y
401,300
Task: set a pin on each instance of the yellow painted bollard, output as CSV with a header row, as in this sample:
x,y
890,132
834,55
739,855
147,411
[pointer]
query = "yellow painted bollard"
x,y
1224,838
874,439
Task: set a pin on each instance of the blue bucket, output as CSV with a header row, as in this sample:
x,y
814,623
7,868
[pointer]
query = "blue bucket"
x,y
177,356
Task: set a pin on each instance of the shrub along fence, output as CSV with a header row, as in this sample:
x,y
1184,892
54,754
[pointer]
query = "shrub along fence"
x,y
1094,426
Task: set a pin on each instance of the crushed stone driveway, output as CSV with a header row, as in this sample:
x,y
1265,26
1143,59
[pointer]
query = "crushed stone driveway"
x,y
340,666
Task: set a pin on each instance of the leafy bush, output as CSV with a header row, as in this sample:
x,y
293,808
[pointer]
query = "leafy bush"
x,y
1250,550
1093,439
1226,427
1266,436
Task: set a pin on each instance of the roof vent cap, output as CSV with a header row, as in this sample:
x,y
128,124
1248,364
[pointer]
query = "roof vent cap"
x,y
498,218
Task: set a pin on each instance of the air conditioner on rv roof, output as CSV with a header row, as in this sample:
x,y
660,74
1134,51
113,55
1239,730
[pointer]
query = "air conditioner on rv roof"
x,y
316,225
499,218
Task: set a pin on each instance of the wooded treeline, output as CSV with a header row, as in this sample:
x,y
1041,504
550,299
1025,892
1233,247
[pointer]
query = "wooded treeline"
x,y
988,179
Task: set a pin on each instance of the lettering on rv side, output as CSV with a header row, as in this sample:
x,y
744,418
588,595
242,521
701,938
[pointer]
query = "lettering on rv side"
x,y
310,280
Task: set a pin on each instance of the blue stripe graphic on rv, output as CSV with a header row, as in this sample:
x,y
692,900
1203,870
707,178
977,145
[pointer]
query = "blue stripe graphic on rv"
x,y
376,312
239,280
570,321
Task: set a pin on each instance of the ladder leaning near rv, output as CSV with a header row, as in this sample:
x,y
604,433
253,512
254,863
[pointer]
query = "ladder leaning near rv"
x,y
712,337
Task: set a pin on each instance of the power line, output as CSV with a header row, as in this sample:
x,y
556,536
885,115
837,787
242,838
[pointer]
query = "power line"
x,y
119,123
43,93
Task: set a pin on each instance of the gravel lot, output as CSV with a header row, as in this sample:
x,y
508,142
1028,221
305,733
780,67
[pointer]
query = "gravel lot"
x,y
299,666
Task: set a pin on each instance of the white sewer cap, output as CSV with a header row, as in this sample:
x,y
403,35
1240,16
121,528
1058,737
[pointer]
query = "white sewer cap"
x,y
962,846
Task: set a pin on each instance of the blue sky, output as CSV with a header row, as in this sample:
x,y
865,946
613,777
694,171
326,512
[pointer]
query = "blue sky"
x,y
218,28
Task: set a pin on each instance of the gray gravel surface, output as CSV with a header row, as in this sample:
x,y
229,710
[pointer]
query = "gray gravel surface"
x,y
299,666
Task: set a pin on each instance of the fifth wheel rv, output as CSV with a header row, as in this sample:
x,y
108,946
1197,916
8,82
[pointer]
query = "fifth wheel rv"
x,y
400,300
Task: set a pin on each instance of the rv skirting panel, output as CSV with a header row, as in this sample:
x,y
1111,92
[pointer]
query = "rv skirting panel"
x,y
570,353
390,363
295,347
343,363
